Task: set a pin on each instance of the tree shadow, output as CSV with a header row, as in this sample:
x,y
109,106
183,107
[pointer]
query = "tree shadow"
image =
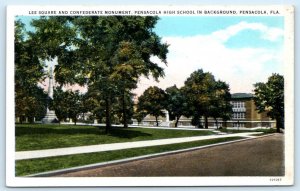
x,y
31,130
126,133
73,130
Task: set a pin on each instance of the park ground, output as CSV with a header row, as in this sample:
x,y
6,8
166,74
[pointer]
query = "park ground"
x,y
35,138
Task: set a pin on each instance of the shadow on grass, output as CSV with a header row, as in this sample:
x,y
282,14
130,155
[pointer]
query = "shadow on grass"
x,y
74,130
126,133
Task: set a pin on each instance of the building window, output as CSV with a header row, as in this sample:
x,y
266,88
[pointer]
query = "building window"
x,y
238,124
238,104
238,115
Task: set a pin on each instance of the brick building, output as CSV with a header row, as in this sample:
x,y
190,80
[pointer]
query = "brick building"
x,y
244,115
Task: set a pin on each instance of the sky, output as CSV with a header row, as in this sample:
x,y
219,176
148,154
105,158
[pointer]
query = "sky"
x,y
239,50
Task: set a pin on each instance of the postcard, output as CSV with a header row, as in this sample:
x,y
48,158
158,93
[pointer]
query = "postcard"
x,y
162,95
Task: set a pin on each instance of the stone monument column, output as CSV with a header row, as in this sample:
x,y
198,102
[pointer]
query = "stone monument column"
x,y
50,115
50,87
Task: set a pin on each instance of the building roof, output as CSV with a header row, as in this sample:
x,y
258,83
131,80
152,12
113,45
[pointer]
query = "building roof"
x,y
241,95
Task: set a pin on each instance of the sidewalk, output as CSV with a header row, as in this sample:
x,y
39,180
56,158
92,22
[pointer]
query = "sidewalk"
x,y
118,146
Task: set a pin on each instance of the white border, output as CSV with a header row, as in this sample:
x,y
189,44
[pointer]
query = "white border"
x,y
288,179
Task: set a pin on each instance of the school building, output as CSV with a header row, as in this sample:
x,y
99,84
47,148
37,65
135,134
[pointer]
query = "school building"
x,y
244,115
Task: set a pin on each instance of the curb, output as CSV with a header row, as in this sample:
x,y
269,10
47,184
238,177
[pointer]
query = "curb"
x,y
121,161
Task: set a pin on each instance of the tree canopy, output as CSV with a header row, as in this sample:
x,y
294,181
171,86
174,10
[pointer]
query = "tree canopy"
x,y
152,102
176,103
108,54
269,97
29,97
206,97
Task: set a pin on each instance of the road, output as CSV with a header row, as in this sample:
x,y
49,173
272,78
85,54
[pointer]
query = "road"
x,y
257,157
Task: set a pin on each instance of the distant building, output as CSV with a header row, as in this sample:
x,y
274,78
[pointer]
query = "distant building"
x,y
244,115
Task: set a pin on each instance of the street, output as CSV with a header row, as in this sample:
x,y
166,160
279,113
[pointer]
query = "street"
x,y
256,157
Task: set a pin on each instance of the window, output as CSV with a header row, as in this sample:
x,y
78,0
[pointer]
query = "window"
x,y
238,104
238,115
238,124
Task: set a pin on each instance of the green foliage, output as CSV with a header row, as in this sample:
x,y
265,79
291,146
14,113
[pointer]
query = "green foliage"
x,y
68,104
152,102
109,54
269,97
29,97
206,97
220,106
176,103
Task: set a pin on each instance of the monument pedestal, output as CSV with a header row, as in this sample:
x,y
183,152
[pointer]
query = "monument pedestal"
x,y
50,117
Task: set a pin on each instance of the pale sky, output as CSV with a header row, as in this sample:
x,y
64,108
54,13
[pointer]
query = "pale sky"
x,y
239,50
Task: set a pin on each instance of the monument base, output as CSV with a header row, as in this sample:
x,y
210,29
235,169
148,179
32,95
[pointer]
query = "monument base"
x,y
50,117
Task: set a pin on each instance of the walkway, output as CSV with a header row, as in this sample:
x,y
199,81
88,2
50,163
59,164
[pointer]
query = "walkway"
x,y
21,155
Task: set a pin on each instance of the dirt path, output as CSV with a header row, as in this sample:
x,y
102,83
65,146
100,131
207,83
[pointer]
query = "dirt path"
x,y
257,157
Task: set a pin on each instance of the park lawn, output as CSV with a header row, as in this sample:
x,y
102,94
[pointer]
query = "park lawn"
x,y
42,136
32,166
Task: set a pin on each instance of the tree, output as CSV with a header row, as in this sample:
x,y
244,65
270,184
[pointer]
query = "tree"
x,y
199,91
117,51
206,97
60,104
220,106
74,101
176,103
67,104
152,102
269,97
29,97
112,52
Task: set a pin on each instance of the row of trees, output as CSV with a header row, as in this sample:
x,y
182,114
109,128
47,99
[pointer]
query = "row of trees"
x,y
201,96
201,93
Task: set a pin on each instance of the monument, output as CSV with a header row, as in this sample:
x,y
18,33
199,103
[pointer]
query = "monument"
x,y
50,116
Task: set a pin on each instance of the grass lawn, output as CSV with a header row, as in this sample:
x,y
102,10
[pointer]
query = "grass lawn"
x,y
31,166
42,136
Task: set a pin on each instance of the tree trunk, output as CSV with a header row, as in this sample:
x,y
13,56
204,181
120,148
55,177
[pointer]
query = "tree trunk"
x,y
216,123
278,124
177,119
206,122
156,119
107,115
225,124
124,110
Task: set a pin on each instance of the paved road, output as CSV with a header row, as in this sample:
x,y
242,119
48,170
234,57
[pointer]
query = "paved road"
x,y
256,157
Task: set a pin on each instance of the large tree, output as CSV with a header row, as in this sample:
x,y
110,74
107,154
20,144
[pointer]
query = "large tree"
x,y
199,91
108,52
118,51
206,98
269,97
152,102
